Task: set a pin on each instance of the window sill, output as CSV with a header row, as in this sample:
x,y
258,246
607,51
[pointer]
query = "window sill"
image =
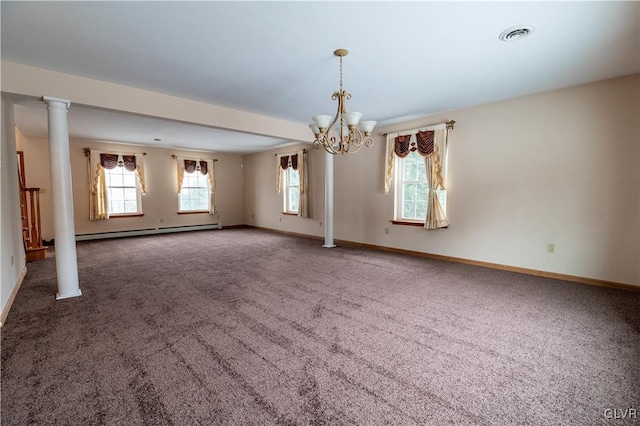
x,y
290,214
407,223
195,212
115,216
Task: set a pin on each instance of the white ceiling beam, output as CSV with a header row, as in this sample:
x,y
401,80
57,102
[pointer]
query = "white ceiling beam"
x,y
35,82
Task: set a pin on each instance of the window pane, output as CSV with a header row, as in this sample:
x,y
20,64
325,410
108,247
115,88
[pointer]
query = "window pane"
x,y
195,192
122,190
294,178
203,180
183,203
410,191
408,211
294,197
200,199
421,169
422,191
116,179
116,194
409,170
130,194
412,188
129,179
117,207
130,206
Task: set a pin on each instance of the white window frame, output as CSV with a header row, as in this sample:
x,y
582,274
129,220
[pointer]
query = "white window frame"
x,y
110,198
398,170
187,179
287,188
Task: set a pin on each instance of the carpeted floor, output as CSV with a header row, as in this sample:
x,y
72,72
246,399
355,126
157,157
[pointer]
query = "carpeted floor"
x,y
249,327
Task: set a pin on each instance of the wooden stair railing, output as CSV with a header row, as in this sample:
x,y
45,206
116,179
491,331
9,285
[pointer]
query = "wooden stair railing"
x,y
30,215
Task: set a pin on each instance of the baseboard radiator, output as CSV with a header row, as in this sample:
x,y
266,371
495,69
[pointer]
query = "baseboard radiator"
x,y
149,231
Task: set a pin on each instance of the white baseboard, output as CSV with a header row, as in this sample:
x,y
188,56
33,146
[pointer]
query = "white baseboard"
x,y
5,311
150,231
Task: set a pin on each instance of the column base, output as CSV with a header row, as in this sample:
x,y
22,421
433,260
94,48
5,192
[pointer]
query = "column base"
x,y
328,246
67,296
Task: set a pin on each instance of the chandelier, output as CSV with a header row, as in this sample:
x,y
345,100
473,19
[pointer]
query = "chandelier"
x,y
352,133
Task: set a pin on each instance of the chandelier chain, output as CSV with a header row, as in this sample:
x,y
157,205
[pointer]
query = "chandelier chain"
x,y
340,73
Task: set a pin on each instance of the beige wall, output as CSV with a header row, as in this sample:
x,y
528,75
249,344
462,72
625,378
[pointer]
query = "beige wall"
x,y
559,167
264,205
159,205
13,260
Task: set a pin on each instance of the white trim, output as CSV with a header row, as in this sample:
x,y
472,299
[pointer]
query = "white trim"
x,y
7,307
67,296
49,99
328,201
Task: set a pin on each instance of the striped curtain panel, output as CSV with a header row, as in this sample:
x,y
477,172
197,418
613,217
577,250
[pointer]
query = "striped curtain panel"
x,y
303,169
434,142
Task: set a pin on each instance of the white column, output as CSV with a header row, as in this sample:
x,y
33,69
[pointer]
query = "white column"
x,y
328,201
62,195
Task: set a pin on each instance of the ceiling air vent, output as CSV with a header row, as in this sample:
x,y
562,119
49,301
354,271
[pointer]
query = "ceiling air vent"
x,y
516,33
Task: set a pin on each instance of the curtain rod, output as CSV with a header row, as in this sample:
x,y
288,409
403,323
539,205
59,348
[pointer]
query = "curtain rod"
x,y
87,152
449,124
175,157
304,150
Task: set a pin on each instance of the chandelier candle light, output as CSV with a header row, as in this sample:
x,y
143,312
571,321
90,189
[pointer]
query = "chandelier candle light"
x,y
352,135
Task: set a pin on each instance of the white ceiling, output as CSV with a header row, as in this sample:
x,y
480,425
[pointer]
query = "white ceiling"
x,y
407,59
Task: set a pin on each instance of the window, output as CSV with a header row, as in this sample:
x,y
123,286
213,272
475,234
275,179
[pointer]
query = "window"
x,y
194,194
291,198
123,191
412,189
417,163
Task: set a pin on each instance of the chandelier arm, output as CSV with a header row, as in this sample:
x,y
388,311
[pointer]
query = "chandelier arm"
x,y
338,96
357,137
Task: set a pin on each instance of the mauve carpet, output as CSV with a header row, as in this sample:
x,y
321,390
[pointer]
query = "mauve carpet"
x,y
248,327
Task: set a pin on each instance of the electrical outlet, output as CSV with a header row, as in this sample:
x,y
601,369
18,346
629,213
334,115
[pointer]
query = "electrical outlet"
x,y
386,231
551,248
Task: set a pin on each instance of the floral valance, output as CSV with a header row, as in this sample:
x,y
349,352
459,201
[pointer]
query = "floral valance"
x,y
110,161
423,143
284,161
191,166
